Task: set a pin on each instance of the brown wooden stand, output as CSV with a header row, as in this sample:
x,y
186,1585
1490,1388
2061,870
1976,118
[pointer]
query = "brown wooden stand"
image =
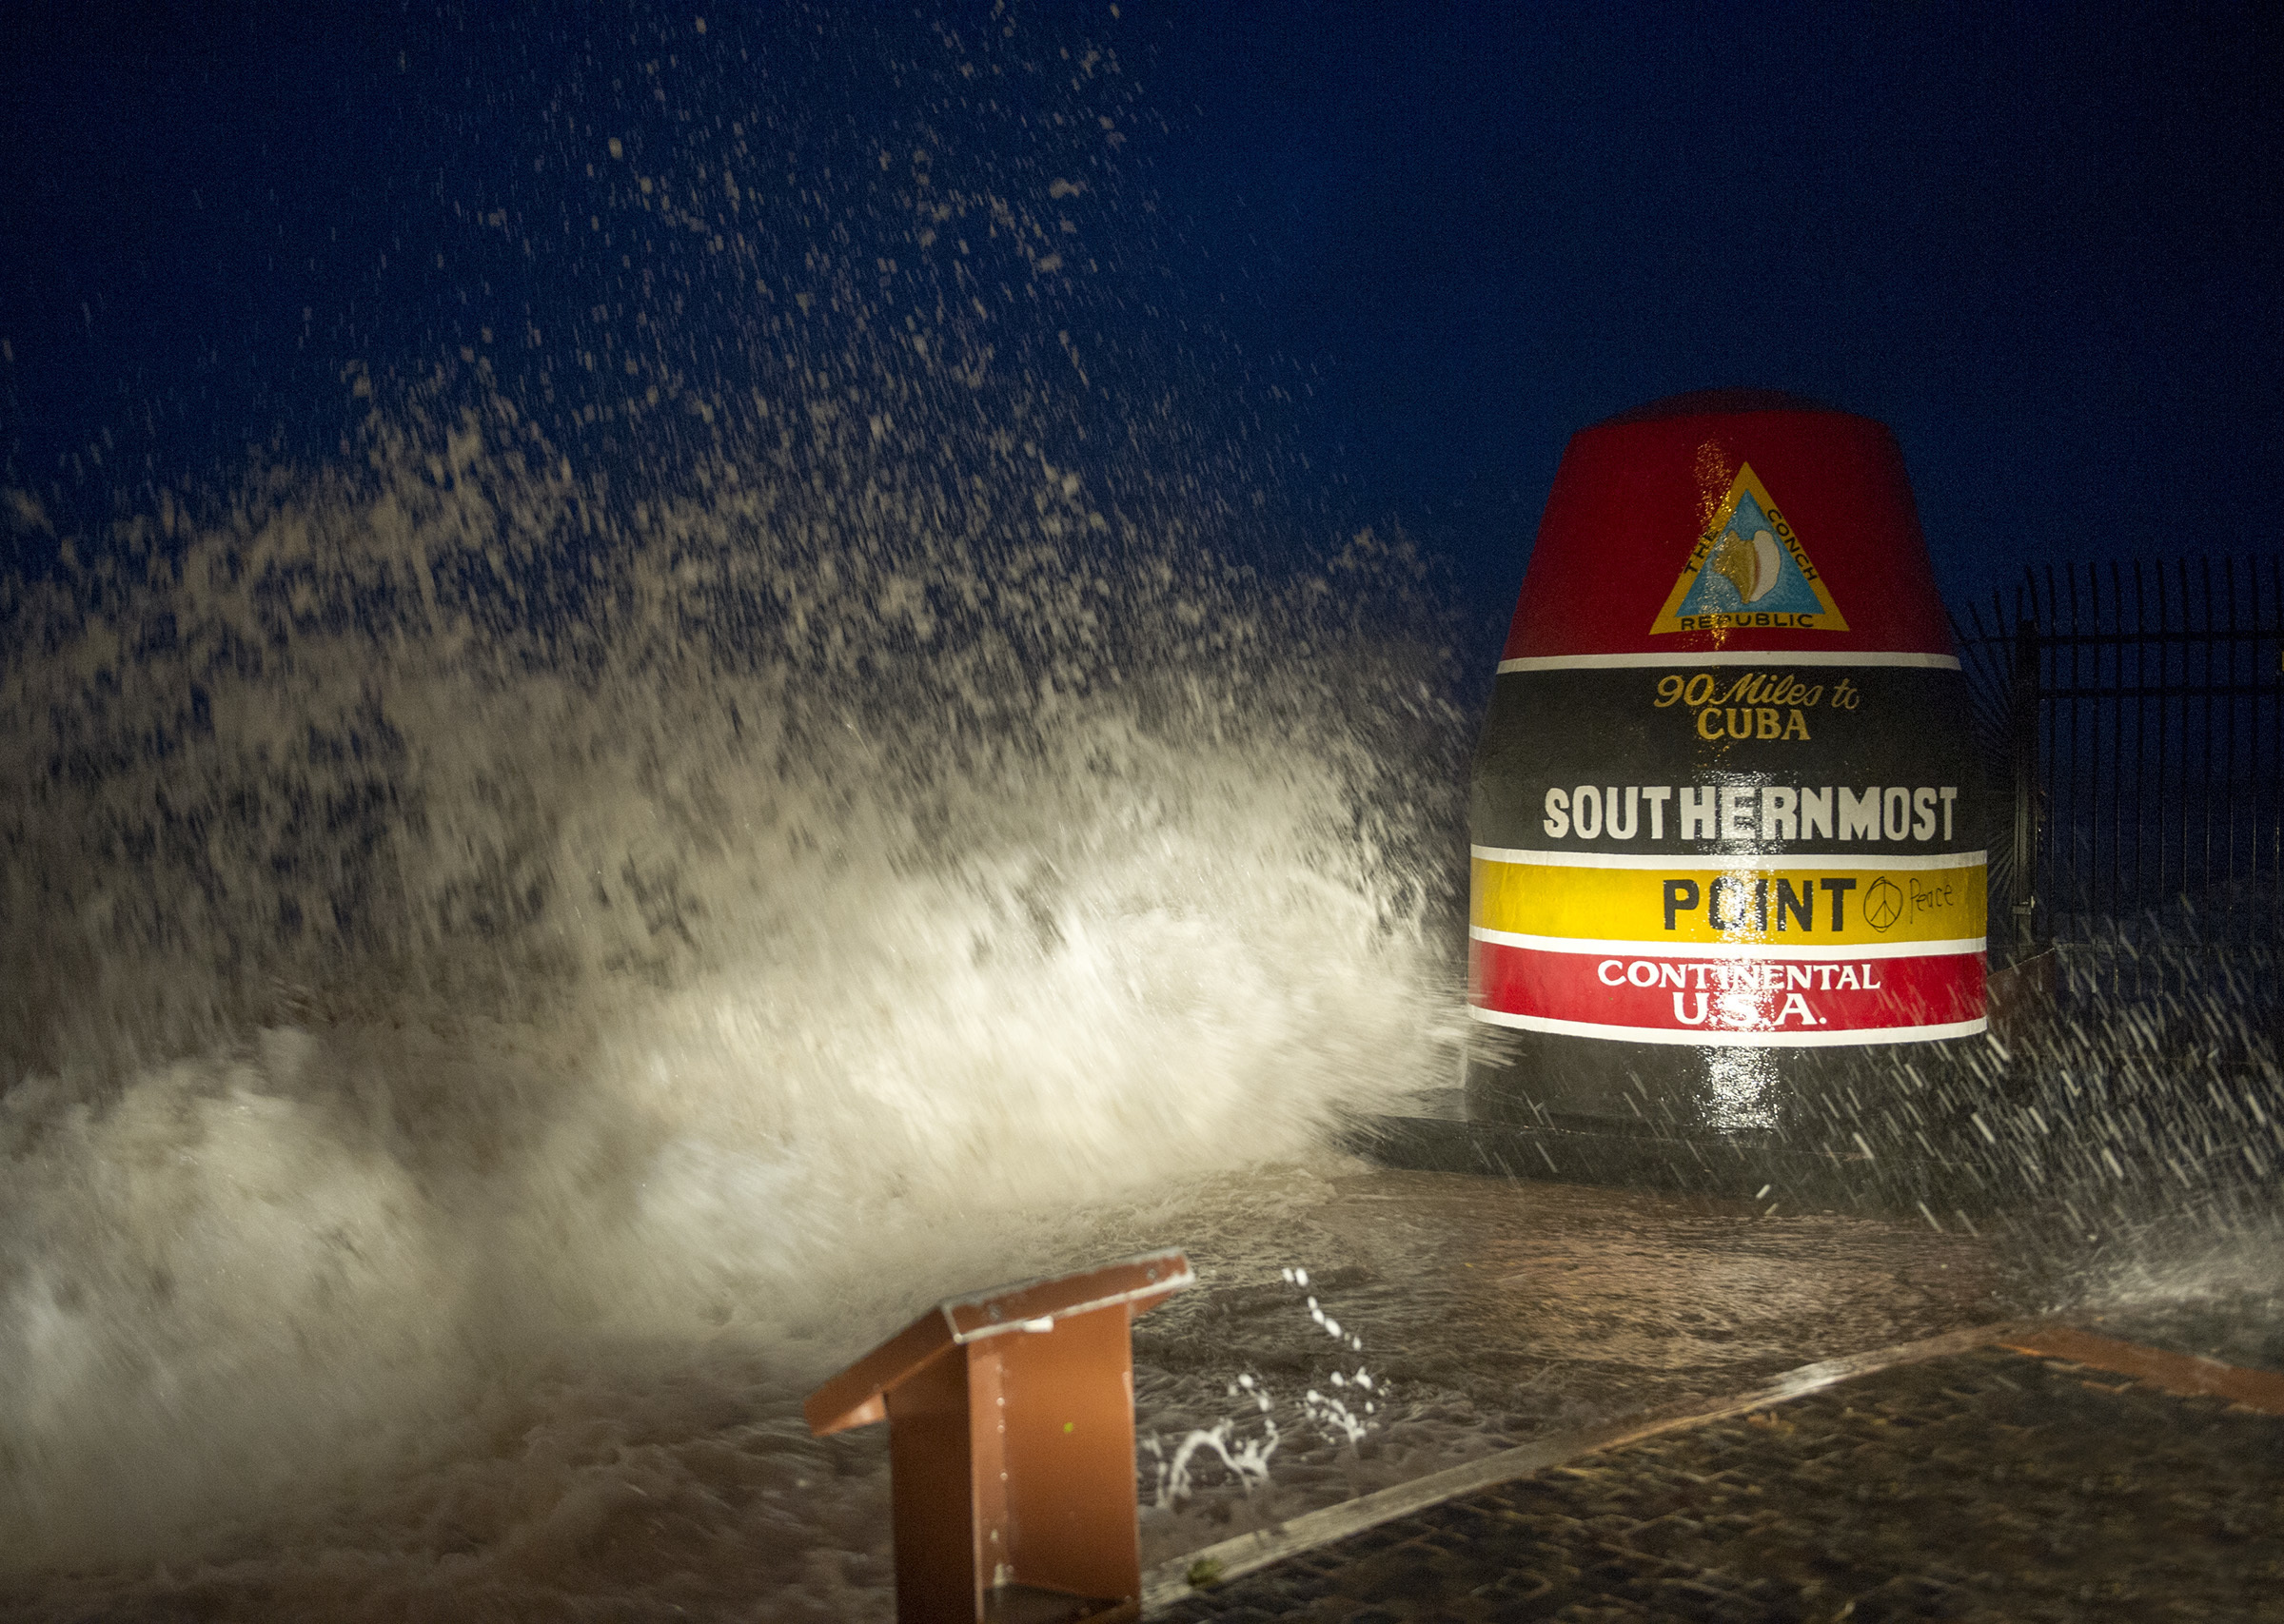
x,y
1011,1443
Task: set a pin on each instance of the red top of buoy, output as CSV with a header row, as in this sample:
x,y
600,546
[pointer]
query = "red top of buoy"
x,y
1736,520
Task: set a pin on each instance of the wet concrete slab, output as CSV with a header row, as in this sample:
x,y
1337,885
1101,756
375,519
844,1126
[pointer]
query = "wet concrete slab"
x,y
1985,1482
1498,1313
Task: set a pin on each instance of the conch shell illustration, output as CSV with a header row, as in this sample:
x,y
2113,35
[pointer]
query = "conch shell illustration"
x,y
1750,566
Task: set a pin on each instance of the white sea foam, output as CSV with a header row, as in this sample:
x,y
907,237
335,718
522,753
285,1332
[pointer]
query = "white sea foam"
x,y
415,980
519,952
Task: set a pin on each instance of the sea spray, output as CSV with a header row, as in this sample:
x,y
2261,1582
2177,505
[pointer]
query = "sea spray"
x,y
1178,1474
433,934
797,744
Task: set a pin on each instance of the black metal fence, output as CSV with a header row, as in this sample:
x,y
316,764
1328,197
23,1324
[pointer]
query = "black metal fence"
x,y
2133,720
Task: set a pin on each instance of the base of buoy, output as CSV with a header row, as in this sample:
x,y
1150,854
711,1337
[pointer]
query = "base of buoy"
x,y
1735,1167
1738,1094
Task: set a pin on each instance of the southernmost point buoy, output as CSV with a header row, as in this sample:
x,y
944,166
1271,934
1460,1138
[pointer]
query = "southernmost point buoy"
x,y
1726,812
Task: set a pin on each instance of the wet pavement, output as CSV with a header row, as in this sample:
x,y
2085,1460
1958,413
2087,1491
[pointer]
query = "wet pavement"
x,y
1495,1313
1985,1482
662,1482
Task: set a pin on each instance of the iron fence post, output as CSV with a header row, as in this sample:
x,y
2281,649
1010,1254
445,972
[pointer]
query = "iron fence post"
x,y
2025,865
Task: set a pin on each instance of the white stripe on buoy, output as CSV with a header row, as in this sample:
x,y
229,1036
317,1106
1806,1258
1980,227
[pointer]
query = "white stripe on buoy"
x,y
1724,656
1702,1037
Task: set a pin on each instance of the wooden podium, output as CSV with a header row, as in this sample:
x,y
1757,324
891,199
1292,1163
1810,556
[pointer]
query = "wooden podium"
x,y
1010,1444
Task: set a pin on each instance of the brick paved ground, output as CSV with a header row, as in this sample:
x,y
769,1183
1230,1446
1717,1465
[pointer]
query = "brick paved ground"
x,y
1984,1486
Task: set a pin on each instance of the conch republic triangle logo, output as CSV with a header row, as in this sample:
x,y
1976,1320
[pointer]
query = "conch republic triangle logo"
x,y
1750,570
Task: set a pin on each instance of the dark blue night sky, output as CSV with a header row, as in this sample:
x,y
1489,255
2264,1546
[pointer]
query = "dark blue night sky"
x,y
1418,246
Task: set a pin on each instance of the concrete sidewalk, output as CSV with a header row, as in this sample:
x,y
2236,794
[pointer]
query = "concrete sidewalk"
x,y
2025,1473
